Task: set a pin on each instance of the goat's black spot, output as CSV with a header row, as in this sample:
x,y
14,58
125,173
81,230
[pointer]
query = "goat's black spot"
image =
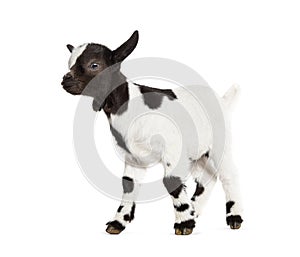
x,y
182,207
185,224
199,191
234,219
229,205
206,155
127,217
117,100
119,138
116,224
192,213
132,212
120,208
168,164
153,96
128,184
174,185
130,217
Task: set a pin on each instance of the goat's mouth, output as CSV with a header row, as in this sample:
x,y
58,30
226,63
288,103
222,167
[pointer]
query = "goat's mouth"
x,y
72,87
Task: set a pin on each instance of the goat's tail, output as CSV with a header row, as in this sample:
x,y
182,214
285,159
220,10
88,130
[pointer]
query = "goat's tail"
x,y
231,96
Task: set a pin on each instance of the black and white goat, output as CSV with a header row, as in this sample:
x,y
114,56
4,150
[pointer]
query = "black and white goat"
x,y
87,61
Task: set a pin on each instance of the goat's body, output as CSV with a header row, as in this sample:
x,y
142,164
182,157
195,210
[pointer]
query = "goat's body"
x,y
152,137
149,136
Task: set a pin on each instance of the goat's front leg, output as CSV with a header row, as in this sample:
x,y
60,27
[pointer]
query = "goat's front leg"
x,y
125,213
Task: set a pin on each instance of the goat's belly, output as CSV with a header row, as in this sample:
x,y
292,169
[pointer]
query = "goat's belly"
x,y
156,137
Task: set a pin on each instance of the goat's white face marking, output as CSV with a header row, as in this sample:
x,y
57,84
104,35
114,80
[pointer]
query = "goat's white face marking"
x,y
76,53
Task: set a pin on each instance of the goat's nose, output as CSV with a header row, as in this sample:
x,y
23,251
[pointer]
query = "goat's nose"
x,y
67,76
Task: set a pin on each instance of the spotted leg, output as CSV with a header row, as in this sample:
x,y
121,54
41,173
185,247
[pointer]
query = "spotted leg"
x,y
205,176
229,178
125,213
184,214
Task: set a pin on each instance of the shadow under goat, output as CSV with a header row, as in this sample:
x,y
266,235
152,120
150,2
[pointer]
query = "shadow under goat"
x,y
198,160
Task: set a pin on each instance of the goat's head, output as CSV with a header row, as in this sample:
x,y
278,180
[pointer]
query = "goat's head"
x,y
88,60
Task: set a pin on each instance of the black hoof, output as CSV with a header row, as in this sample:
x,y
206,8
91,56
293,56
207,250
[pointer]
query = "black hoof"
x,y
114,227
184,228
234,221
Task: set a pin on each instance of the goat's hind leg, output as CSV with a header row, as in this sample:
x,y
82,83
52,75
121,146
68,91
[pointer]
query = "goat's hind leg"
x,y
184,213
229,178
205,176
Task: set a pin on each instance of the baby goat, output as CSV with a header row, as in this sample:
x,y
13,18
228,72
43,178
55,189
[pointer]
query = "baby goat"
x,y
89,60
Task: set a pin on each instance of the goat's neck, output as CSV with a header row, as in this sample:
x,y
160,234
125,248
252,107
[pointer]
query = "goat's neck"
x,y
117,100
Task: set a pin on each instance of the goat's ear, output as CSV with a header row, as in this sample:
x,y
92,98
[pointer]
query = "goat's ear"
x,y
126,48
70,47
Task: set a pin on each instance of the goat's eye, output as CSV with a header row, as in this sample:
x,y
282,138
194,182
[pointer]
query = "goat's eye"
x,y
94,66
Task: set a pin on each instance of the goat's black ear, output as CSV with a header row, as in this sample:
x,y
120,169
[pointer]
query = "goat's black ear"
x,y
70,47
126,48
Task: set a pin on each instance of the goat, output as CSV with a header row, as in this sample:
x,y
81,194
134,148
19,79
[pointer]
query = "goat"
x,y
88,61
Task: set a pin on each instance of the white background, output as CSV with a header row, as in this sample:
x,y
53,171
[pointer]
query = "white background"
x,y
47,208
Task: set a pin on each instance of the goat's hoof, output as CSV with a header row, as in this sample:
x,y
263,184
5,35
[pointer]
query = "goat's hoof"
x,y
184,231
113,231
185,227
234,221
235,225
114,227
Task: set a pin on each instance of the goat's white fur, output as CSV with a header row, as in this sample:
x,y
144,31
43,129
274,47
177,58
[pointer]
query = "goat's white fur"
x,y
144,153
137,139
75,54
